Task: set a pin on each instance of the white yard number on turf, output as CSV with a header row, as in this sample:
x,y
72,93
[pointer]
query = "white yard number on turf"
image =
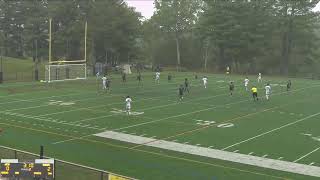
x,y
60,103
208,123
225,125
119,111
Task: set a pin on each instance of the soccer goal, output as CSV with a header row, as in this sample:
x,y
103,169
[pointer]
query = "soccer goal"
x,y
64,70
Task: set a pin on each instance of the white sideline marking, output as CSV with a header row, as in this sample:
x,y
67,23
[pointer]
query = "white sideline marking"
x,y
250,153
265,155
280,158
217,154
236,151
276,129
307,154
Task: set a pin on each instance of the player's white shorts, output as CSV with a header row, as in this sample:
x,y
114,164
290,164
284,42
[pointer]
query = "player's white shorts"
x,y
157,77
245,85
104,85
128,107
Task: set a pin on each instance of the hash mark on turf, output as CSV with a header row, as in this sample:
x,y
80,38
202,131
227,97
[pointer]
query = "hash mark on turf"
x,y
307,154
312,163
280,158
210,147
265,155
236,151
250,153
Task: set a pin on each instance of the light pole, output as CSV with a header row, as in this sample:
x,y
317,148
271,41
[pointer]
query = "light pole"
x,y
1,69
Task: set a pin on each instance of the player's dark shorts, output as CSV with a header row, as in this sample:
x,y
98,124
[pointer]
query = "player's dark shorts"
x,y
255,94
231,89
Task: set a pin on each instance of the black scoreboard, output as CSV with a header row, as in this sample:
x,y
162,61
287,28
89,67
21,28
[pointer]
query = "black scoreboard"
x,y
38,169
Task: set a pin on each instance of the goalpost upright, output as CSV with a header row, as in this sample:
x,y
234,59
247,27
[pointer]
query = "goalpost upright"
x,y
85,47
77,68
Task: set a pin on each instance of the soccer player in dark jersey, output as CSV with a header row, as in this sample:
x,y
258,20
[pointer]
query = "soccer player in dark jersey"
x,y
124,78
139,78
231,88
289,85
196,76
186,85
169,77
181,90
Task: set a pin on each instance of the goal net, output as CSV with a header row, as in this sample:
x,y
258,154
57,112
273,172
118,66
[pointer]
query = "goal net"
x,y
60,69
64,72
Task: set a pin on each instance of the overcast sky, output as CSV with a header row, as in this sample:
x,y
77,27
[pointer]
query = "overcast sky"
x,y
146,7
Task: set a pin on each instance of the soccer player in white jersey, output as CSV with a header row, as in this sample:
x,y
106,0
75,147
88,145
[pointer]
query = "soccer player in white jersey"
x,y
104,82
268,91
157,77
246,83
259,78
205,81
128,105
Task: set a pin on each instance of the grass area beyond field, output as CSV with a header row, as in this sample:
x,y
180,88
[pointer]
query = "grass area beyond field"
x,y
65,116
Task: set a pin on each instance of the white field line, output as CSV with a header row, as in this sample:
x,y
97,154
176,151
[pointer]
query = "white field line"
x,y
83,93
304,156
170,117
216,154
71,139
69,94
96,97
268,132
153,107
164,119
45,105
48,120
207,109
40,98
74,122
98,106
79,100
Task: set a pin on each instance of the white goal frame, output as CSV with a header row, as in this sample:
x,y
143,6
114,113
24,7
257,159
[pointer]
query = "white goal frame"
x,y
64,64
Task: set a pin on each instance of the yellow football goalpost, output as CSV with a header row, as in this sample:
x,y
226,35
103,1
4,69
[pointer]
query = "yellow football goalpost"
x,y
63,70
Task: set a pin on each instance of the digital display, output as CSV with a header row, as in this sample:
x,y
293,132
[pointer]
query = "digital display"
x,y
39,168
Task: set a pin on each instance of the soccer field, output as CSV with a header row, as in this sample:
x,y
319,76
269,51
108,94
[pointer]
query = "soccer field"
x,y
209,135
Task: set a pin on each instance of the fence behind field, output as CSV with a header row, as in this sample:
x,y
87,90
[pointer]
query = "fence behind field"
x,y
63,169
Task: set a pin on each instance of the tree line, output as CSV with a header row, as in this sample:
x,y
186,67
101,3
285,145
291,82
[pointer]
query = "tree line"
x,y
250,36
